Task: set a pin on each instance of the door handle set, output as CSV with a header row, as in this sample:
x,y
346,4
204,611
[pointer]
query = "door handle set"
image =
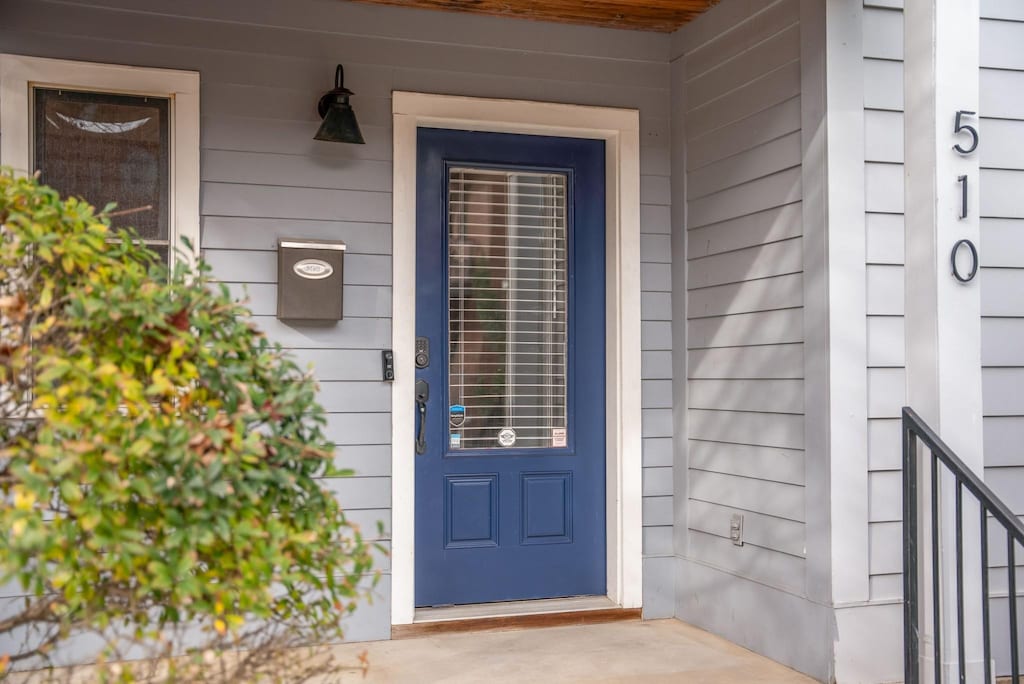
x,y
422,394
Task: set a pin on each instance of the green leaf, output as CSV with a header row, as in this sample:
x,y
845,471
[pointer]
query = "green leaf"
x,y
70,491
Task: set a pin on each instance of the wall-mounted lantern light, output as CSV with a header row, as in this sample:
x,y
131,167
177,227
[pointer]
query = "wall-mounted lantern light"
x,y
339,120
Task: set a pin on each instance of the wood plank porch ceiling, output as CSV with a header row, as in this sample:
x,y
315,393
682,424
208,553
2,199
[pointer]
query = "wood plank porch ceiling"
x,y
643,15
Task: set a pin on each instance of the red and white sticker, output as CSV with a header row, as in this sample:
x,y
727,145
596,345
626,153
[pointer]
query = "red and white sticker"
x,y
558,437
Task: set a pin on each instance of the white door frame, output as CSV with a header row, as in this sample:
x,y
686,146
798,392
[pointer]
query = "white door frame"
x,y
620,129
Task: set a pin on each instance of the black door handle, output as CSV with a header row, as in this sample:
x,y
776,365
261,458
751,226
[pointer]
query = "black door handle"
x,y
422,394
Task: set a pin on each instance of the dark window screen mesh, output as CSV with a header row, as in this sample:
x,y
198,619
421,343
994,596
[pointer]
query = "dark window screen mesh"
x,y
105,147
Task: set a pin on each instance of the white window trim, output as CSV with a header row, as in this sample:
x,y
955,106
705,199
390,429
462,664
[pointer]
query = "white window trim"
x,y
18,74
620,129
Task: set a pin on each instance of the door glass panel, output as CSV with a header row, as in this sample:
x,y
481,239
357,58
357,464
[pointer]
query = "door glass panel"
x,y
105,148
507,303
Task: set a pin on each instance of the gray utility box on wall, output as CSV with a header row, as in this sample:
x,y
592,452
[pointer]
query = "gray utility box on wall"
x,y
309,279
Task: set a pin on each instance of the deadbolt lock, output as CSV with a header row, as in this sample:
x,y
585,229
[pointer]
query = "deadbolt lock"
x,y
422,352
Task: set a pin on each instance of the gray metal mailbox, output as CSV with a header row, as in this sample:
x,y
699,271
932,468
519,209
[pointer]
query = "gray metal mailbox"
x,y
309,279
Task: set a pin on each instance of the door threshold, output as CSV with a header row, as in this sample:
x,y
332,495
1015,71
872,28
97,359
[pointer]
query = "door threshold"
x,y
513,615
512,608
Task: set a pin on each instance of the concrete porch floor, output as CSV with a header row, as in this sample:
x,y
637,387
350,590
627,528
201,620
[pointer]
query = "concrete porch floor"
x,y
646,652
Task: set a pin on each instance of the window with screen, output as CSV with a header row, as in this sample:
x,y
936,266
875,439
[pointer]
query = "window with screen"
x,y
107,147
507,308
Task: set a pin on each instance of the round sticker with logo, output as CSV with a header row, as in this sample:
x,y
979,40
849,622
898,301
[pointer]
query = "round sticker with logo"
x,y
507,437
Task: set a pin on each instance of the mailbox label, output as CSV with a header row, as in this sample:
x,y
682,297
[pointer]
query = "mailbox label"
x,y
313,269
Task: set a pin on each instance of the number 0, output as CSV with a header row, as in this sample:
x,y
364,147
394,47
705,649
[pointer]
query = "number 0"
x,y
959,127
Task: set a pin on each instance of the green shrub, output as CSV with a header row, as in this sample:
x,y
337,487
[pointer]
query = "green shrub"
x,y
159,458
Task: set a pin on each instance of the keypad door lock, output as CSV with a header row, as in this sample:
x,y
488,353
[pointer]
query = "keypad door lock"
x,y
422,352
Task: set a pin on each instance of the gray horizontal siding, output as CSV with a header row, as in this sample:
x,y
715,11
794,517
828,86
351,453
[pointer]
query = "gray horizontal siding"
x,y
752,461
1002,256
741,136
259,233
1002,277
744,288
883,157
656,388
760,394
778,326
263,64
768,294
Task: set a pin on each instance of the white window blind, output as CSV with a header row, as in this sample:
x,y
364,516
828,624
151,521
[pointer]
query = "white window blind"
x,y
508,297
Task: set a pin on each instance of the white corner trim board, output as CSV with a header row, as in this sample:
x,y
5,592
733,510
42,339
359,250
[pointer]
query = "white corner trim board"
x,y
620,129
18,74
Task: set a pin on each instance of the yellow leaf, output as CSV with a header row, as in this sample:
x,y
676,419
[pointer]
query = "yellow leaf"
x,y
106,369
23,499
18,527
220,626
89,521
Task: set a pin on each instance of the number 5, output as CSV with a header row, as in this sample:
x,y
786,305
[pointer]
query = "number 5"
x,y
965,127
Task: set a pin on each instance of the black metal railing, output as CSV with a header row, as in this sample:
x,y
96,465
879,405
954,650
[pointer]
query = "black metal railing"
x,y
916,431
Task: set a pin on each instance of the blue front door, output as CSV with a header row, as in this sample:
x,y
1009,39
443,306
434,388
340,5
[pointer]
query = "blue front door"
x,y
510,380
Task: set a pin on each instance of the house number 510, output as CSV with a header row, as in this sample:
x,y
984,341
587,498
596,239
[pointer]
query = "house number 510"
x,y
958,128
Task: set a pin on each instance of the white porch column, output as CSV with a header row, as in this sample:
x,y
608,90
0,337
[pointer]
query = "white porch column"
x,y
943,324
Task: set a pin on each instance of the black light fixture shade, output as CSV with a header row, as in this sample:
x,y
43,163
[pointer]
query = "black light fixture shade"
x,y
339,119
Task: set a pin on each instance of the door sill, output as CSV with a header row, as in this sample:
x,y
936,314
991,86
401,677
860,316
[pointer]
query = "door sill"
x,y
513,615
